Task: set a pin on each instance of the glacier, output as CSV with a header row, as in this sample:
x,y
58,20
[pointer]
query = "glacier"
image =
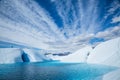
x,y
10,55
105,53
78,56
13,55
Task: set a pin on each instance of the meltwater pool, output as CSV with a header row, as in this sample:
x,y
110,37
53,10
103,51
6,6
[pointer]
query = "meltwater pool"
x,y
53,71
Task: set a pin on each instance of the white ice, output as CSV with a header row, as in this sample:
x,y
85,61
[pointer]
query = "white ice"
x,y
107,53
13,55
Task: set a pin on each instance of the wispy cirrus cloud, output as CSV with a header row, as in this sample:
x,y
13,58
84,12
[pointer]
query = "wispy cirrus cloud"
x,y
28,23
109,33
24,25
116,19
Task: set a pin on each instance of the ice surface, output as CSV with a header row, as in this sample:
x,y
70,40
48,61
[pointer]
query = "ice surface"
x,y
107,53
78,56
12,55
36,55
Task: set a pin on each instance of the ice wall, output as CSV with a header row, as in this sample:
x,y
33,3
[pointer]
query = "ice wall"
x,y
13,55
36,55
10,55
107,53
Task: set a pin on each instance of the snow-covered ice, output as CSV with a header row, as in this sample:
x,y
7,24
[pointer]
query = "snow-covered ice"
x,y
107,53
78,56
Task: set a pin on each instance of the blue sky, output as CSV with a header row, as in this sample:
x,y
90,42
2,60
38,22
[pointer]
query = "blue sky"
x,y
58,25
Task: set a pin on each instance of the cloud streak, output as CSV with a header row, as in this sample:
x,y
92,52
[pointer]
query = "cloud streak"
x,y
28,23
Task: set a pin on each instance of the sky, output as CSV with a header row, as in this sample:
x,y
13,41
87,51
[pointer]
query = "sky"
x,y
58,25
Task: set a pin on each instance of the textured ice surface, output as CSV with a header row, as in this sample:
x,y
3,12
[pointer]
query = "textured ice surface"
x,y
13,55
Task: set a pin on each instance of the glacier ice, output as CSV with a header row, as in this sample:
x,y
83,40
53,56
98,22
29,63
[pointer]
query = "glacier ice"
x,y
36,55
78,56
12,55
107,53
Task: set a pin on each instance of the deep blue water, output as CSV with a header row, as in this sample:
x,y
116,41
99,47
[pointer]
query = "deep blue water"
x,y
52,71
